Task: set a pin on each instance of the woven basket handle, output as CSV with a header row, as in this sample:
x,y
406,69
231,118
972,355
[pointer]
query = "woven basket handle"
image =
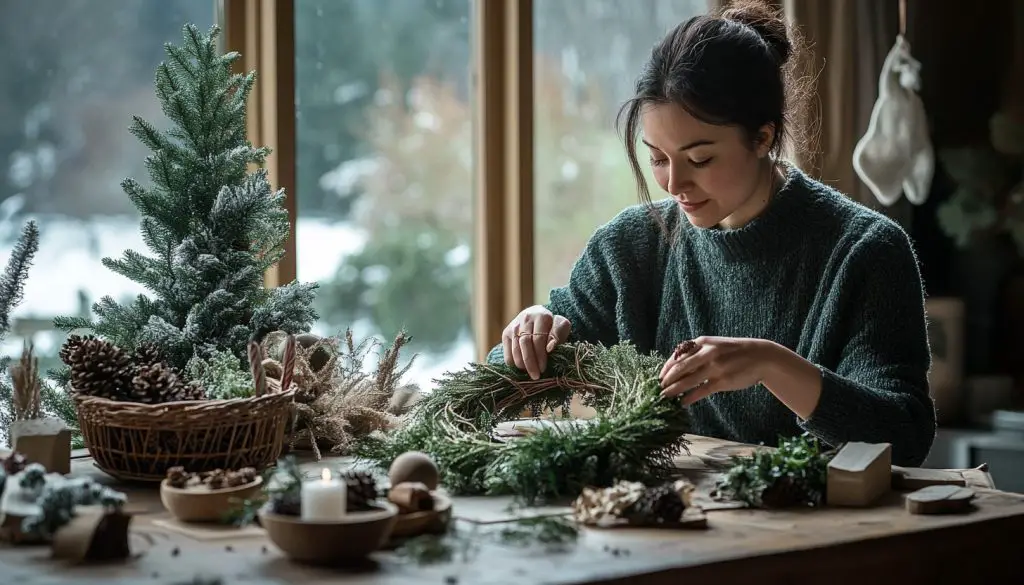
x,y
259,375
288,363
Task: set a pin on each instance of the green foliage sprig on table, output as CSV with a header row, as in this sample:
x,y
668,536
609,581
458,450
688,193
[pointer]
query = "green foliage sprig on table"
x,y
794,474
634,436
58,497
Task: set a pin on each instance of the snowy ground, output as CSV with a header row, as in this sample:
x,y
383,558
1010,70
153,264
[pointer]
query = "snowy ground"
x,y
68,262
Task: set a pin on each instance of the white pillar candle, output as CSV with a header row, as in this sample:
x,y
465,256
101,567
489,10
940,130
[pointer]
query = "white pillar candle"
x,y
323,500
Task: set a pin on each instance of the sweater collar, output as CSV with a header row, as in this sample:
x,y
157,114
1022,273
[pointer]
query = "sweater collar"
x,y
766,234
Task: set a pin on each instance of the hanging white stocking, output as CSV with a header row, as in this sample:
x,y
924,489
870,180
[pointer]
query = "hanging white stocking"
x,y
895,155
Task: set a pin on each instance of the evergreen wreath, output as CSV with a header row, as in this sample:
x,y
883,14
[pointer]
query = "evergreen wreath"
x,y
635,435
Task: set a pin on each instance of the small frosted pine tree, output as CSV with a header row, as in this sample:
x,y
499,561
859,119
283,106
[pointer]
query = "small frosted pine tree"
x,y
213,225
12,291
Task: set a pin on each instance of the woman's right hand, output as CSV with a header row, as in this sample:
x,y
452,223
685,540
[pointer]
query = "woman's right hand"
x,y
531,336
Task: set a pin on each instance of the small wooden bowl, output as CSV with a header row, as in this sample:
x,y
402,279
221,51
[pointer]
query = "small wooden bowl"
x,y
427,522
205,505
350,539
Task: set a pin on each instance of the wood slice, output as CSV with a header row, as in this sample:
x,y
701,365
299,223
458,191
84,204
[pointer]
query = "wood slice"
x,y
940,499
915,478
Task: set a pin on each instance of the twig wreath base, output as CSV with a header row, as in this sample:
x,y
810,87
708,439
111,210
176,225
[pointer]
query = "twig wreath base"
x,y
634,436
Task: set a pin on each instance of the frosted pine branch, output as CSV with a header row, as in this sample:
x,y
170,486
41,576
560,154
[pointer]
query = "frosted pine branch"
x,y
12,283
212,226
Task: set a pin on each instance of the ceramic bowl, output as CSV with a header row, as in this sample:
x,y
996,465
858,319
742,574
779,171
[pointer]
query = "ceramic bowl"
x,y
427,522
205,505
353,538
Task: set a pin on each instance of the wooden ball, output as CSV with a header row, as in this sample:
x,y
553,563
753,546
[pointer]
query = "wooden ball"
x,y
414,467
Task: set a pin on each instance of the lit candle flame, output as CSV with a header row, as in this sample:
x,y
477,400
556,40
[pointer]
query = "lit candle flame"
x,y
326,474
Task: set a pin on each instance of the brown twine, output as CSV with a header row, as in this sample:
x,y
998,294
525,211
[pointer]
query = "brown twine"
x,y
903,18
535,387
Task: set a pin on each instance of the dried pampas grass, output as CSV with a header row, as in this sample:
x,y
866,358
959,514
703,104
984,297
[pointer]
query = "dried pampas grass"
x,y
337,400
25,402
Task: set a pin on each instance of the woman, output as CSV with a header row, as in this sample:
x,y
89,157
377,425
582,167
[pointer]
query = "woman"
x,y
805,309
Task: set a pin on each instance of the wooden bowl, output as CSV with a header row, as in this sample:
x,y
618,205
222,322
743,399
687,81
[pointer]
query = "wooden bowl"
x,y
350,539
427,522
205,505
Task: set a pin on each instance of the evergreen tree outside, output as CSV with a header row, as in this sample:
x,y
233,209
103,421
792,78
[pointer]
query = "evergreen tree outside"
x,y
213,227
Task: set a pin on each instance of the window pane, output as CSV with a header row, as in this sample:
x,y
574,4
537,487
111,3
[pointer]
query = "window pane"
x,y
587,56
384,127
73,73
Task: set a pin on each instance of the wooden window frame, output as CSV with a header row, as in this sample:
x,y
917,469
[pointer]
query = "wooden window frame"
x,y
263,31
503,84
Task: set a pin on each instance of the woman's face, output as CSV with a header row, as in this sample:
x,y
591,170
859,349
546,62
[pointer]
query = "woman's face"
x,y
714,172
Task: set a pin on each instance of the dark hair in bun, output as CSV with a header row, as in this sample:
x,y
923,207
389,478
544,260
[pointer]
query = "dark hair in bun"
x,y
766,22
736,66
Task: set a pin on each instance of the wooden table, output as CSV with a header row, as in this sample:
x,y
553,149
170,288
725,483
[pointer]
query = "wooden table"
x,y
880,545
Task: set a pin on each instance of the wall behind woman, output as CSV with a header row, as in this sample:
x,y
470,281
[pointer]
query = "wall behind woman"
x,y
965,49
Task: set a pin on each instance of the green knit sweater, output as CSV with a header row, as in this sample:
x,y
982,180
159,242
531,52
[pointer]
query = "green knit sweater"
x,y
816,272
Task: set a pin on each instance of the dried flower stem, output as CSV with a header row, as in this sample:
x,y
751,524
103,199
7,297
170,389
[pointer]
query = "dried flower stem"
x,y
25,378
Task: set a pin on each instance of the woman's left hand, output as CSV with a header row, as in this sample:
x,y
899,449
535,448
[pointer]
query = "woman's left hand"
x,y
715,364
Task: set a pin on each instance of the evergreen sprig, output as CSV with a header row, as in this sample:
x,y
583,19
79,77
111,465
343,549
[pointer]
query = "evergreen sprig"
x,y
635,435
213,227
12,290
12,282
794,474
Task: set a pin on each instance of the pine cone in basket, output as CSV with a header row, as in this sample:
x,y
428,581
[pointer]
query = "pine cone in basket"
x,y
658,505
147,354
360,490
159,383
70,346
98,368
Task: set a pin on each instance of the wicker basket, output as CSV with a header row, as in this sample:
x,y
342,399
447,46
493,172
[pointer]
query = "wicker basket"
x,y
140,442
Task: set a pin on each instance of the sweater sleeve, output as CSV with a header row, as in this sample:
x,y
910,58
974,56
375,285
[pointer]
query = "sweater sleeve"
x,y
602,299
878,391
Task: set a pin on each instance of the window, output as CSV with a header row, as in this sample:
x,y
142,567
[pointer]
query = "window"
x,y
587,55
385,172
73,74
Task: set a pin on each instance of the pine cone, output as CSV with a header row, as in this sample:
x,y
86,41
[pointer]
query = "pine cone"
x,y
192,391
659,505
240,477
160,383
288,503
360,490
70,346
148,354
177,477
99,368
14,463
216,479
